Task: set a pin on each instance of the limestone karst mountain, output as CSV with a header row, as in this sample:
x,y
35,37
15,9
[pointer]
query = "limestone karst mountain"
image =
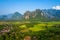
x,y
38,15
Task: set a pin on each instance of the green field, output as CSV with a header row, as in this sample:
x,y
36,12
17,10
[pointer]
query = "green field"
x,y
39,30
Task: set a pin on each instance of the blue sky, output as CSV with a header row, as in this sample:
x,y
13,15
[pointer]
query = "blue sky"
x,y
11,6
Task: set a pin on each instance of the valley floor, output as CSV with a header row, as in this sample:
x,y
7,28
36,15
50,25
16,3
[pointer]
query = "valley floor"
x,y
27,30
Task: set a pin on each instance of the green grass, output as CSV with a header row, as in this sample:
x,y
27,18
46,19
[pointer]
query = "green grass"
x,y
42,30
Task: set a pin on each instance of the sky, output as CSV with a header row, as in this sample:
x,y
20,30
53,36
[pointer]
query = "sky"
x,y
21,6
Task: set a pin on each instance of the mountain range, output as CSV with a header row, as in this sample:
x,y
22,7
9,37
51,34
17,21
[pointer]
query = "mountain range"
x,y
38,15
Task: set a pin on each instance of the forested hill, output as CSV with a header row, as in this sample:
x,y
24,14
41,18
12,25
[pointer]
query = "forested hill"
x,y
37,15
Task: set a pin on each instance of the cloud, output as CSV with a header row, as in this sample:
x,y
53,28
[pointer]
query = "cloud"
x,y
56,7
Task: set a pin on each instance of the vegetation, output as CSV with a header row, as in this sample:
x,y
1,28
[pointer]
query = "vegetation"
x,y
36,30
32,25
37,15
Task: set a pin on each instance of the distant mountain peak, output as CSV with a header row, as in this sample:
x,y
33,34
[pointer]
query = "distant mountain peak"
x,y
41,15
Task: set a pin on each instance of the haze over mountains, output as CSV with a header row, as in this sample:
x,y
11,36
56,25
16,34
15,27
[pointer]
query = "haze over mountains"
x,y
38,15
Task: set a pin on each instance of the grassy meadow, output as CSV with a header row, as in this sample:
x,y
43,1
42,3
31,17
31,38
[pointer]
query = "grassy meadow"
x,y
35,30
